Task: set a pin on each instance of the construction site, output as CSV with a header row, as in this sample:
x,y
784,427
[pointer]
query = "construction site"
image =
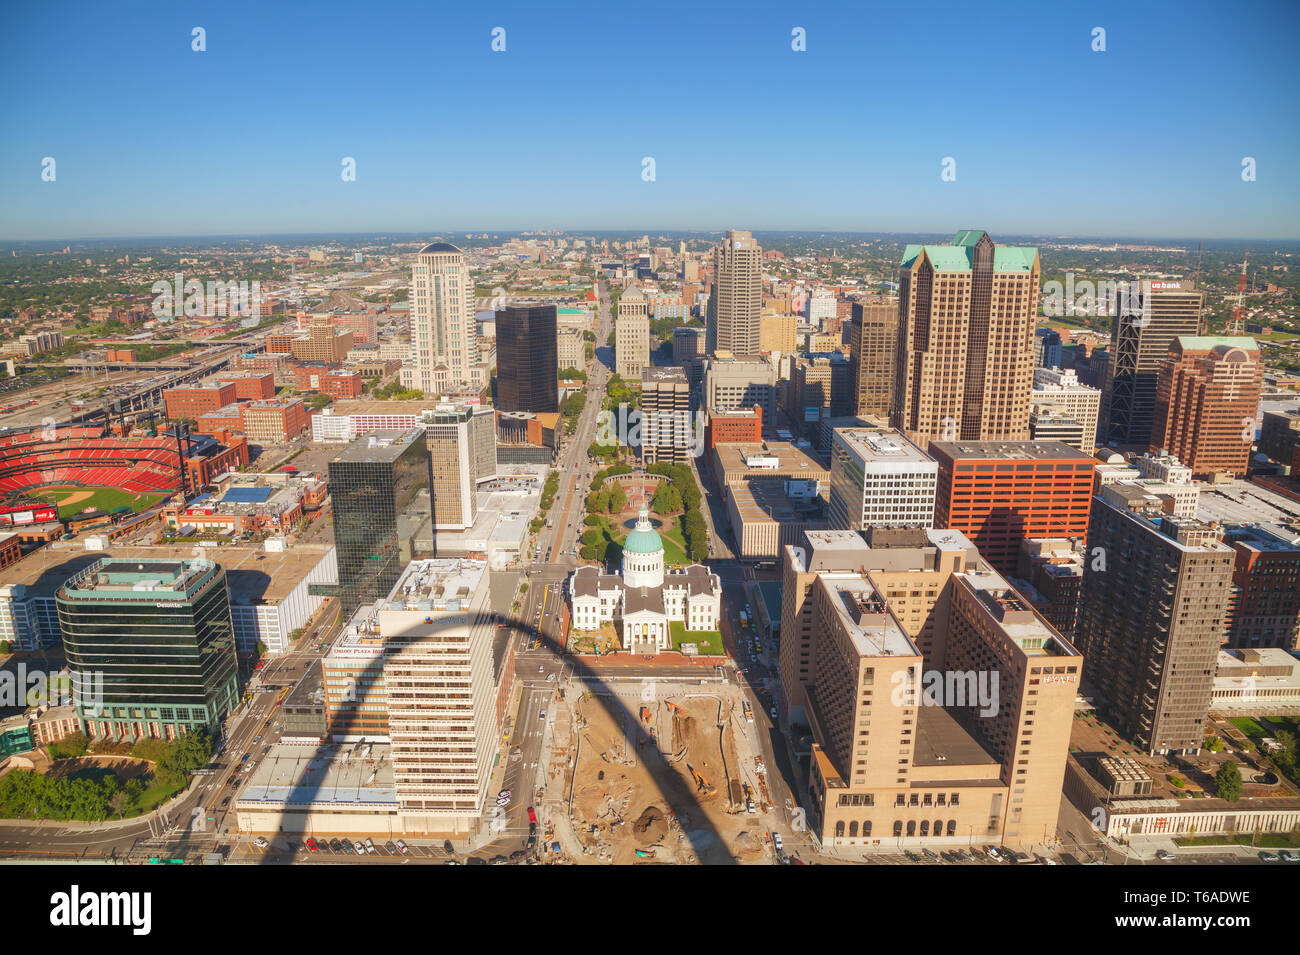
x,y
667,777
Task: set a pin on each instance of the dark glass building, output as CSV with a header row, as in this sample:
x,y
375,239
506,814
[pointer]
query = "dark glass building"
x,y
527,364
380,489
150,647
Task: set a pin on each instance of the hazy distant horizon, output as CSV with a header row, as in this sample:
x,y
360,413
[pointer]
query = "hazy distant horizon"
x,y
265,238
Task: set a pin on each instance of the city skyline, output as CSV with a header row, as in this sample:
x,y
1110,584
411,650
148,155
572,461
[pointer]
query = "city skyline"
x,y
818,150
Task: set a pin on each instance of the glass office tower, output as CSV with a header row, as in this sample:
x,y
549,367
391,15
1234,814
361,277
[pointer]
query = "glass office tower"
x,y
150,647
380,486
527,366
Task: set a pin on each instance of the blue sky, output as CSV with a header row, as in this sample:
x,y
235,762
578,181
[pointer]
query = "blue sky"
x,y
1049,137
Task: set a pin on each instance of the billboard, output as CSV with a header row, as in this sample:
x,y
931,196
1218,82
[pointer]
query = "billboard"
x,y
22,516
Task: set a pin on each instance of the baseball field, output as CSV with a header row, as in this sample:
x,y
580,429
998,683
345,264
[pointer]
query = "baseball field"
x,y
73,500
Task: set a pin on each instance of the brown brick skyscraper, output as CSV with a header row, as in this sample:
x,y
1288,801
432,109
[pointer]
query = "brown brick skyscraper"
x,y
966,349
1207,393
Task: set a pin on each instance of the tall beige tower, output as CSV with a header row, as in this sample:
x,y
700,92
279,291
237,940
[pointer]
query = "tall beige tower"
x,y
632,334
966,340
736,304
444,339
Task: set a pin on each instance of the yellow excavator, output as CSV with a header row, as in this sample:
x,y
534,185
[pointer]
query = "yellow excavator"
x,y
701,783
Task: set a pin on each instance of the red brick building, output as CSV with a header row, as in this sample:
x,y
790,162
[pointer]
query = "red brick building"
x,y
233,456
229,418
999,493
334,382
10,548
744,426
279,343
274,421
190,401
1264,608
250,386
1207,393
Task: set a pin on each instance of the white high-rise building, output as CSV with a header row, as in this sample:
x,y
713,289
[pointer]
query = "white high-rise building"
x,y
821,306
1059,390
444,338
417,670
880,479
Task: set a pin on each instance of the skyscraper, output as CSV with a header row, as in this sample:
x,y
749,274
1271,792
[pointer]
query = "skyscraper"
x,y
444,339
380,486
527,377
736,303
150,647
1146,324
879,479
966,342
1207,393
462,444
1060,391
632,334
999,493
899,756
666,429
1151,618
873,351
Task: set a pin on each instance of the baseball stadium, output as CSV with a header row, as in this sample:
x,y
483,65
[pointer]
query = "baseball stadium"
x,y
87,472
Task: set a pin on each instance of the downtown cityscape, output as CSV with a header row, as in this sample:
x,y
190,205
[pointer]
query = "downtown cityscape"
x,y
737,467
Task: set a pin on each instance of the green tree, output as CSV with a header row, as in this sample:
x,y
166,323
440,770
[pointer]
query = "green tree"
x,y
666,500
6,646
617,499
1227,782
70,747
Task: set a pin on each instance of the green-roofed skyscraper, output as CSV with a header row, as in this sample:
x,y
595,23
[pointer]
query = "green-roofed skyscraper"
x,y
966,340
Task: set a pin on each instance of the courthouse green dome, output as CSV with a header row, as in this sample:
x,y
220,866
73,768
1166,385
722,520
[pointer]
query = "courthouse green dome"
x,y
643,539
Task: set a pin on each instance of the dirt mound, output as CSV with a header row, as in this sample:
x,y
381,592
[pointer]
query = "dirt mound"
x,y
748,844
650,826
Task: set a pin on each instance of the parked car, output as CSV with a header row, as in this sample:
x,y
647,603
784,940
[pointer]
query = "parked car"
x,y
261,843
1269,857
311,845
1164,855
359,848
401,847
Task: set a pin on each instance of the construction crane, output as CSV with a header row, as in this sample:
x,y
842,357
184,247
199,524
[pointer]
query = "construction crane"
x,y
1237,327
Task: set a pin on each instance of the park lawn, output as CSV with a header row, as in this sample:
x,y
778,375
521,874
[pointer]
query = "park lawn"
x,y
1248,726
670,533
104,498
155,795
1263,840
709,641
